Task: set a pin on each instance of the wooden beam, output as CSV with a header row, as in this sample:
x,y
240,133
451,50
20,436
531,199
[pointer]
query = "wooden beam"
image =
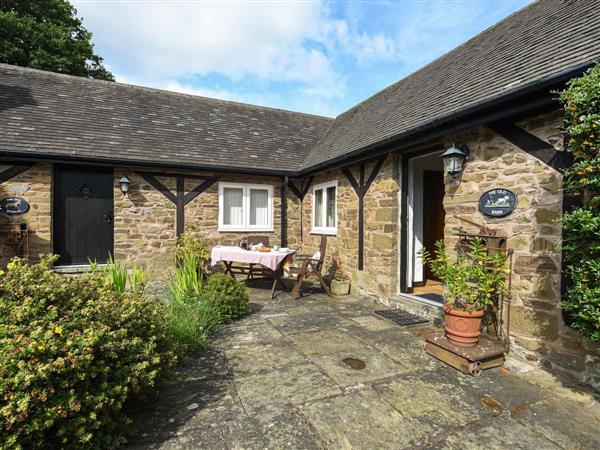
x,y
180,221
283,205
13,171
151,179
207,183
180,199
361,187
531,144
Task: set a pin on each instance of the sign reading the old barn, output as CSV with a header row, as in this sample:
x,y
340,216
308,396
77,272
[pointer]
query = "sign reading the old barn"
x,y
13,206
497,202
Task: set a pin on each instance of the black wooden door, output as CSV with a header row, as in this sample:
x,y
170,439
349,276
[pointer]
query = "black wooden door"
x,y
433,213
83,214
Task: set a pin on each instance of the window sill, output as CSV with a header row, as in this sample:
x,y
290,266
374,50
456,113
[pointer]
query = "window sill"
x,y
328,232
245,230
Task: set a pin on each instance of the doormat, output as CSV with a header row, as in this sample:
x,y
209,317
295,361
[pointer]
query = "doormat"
x,y
401,317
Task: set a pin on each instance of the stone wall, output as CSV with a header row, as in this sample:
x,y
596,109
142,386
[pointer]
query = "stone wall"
x,y
381,228
38,219
145,232
536,323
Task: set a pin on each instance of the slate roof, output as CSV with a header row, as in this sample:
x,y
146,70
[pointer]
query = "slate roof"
x,y
540,40
43,113
47,114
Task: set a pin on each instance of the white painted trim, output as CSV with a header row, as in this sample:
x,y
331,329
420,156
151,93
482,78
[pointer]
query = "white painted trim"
x,y
324,230
245,187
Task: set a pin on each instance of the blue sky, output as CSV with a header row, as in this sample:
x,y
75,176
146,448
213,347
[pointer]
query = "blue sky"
x,y
319,57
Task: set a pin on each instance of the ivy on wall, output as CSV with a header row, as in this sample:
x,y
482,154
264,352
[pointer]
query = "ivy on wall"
x,y
581,237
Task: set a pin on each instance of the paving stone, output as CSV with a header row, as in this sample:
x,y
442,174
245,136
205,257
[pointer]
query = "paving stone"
x,y
288,430
309,322
271,392
361,420
195,438
248,359
432,400
323,342
255,388
500,434
511,391
564,422
377,366
247,334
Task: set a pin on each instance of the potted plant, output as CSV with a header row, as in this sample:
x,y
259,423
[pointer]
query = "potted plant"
x,y
472,282
340,282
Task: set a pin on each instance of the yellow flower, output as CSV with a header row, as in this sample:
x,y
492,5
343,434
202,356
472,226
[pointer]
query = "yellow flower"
x,y
10,265
1,272
58,329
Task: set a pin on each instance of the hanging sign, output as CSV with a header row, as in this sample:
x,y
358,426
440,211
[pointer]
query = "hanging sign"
x,y
497,202
14,206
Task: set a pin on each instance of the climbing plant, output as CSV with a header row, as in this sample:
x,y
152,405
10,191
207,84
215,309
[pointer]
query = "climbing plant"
x,y
581,237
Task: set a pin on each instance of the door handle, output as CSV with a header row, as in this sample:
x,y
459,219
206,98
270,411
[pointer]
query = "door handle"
x,y
108,217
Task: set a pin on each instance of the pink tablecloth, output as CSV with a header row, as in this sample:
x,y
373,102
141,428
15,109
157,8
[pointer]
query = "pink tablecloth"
x,y
268,259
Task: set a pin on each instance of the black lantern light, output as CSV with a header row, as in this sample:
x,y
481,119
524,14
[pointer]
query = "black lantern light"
x,y
454,159
124,184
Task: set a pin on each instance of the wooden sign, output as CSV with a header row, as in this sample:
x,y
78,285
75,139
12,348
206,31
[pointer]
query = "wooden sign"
x,y
497,202
14,206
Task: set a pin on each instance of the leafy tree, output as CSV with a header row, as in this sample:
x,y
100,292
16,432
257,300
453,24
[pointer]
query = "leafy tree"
x,y
48,35
581,226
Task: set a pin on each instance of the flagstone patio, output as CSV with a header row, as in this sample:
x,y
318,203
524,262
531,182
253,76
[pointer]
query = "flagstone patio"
x,y
277,380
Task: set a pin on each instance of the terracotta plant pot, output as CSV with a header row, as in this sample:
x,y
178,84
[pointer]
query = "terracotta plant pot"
x,y
340,287
463,328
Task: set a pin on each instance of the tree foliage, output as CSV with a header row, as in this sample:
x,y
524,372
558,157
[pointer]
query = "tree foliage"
x,y
48,35
581,246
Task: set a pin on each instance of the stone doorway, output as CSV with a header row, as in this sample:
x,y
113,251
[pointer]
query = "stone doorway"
x,y
425,224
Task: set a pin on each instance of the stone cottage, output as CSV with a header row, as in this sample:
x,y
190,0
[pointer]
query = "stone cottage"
x,y
372,179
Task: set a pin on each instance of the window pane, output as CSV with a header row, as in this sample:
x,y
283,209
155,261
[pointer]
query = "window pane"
x,y
331,206
233,213
318,211
259,207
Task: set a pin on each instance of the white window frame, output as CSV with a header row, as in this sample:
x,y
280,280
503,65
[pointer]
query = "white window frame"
x,y
324,229
245,226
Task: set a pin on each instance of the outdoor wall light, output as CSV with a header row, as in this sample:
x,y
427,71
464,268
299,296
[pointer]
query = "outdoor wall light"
x,y
124,184
454,159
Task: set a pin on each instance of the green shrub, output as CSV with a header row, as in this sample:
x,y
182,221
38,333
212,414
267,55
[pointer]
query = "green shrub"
x,y
191,322
474,279
581,237
229,295
72,350
187,281
118,275
189,246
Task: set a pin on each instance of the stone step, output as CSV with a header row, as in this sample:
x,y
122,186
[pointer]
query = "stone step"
x,y
427,310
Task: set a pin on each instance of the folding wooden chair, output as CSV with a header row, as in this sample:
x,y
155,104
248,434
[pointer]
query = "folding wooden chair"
x,y
311,267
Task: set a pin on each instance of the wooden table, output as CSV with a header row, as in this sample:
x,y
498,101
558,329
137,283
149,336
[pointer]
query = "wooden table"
x,y
272,262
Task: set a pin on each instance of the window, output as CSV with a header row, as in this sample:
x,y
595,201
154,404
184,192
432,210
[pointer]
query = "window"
x,y
245,207
324,218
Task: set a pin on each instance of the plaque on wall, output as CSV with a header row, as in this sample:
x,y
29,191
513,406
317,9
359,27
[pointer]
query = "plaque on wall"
x,y
14,206
497,202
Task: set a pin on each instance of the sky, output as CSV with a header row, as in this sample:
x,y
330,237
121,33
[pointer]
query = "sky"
x,y
318,57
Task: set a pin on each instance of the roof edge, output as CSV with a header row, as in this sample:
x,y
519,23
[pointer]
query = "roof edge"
x,y
159,91
529,88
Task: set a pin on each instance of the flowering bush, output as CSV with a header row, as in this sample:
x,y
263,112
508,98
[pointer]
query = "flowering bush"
x,y
72,350
581,237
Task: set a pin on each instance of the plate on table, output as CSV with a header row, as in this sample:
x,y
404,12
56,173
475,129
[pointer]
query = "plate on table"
x,y
284,249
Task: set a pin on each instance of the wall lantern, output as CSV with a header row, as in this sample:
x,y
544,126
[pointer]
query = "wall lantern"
x,y
454,159
124,184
